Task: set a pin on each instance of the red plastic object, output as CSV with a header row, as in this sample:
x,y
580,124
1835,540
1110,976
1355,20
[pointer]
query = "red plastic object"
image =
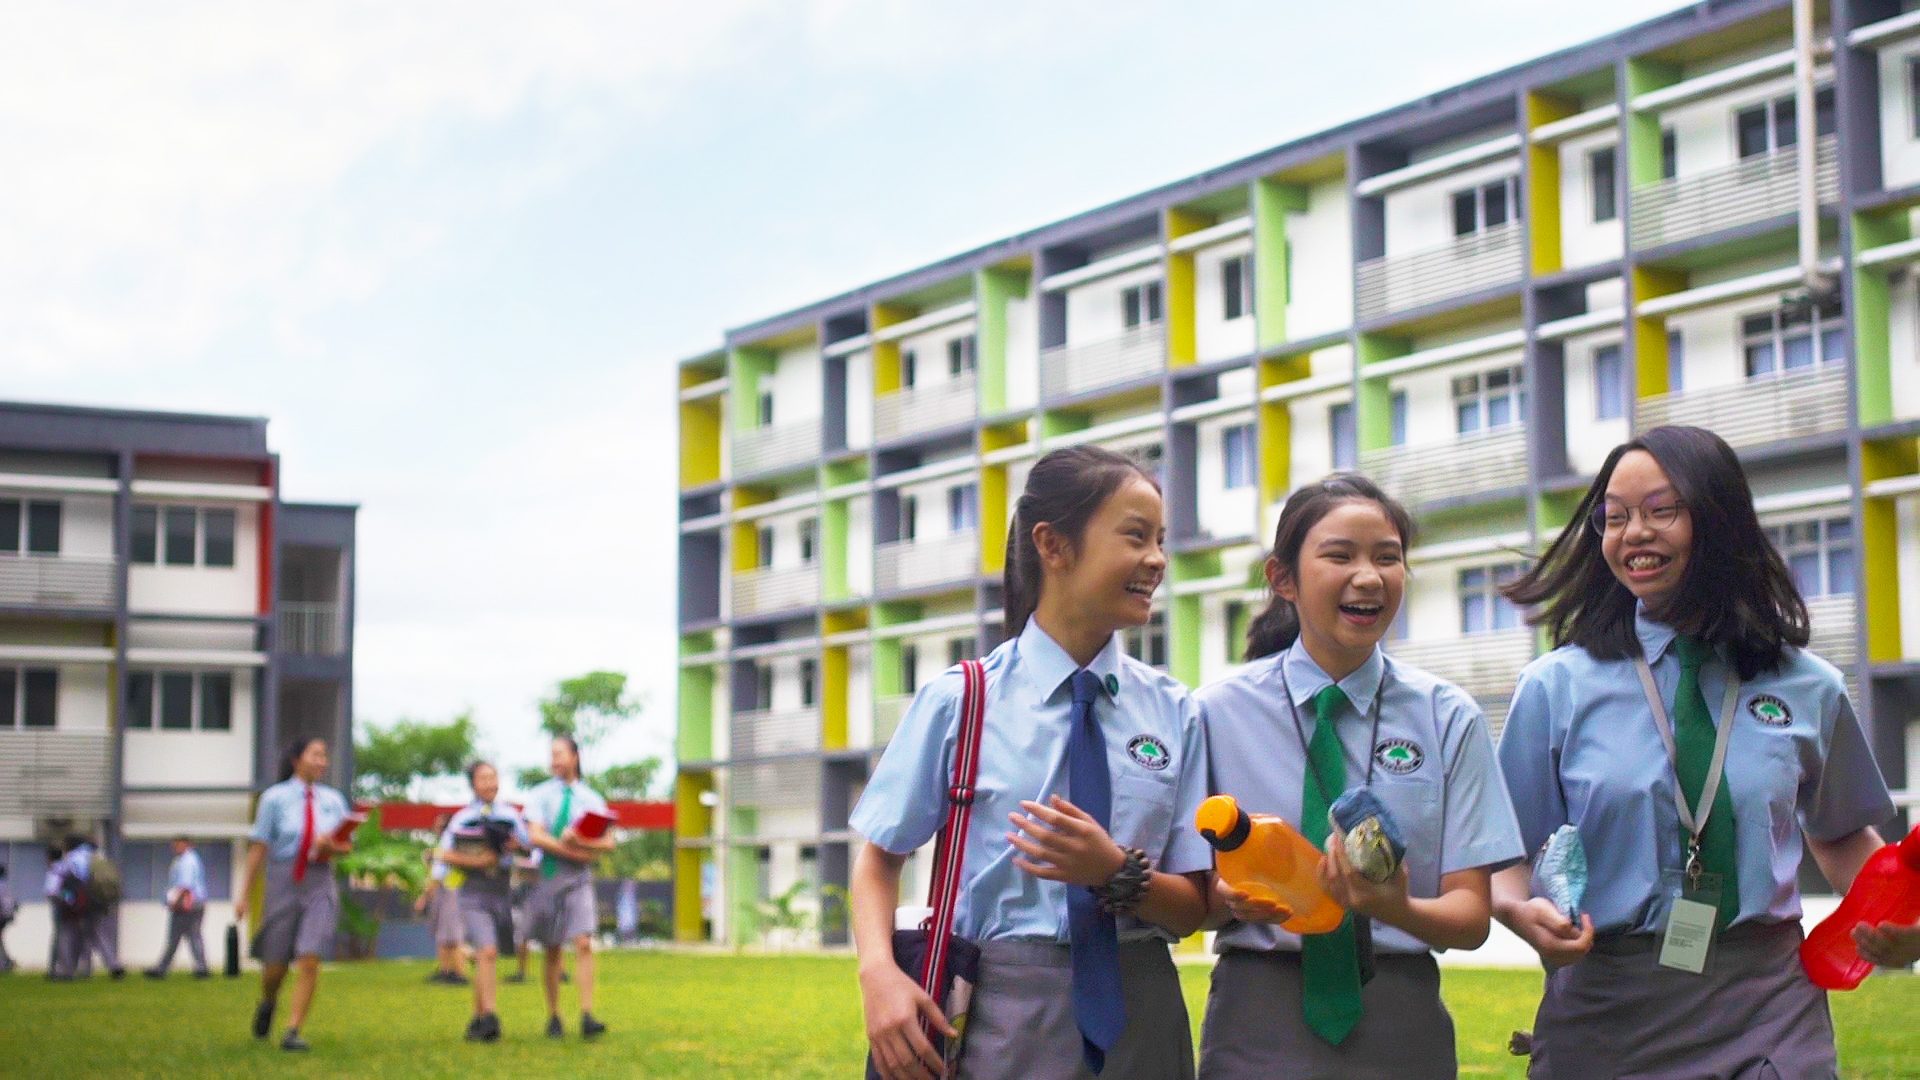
x,y
1886,890
592,824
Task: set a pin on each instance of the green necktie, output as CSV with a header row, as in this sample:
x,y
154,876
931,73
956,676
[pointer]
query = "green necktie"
x,y
1693,737
550,863
1330,962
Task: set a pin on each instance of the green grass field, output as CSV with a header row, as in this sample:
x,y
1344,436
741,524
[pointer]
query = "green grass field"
x,y
672,1014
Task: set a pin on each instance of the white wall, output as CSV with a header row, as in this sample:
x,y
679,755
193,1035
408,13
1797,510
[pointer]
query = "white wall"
x,y
860,545
796,385
86,521
859,400
1430,416
1311,454
1023,354
157,758
83,700
1590,440
930,351
1432,600
1215,337
1704,136
1321,298
1907,523
204,590
1899,150
1582,240
930,505
786,537
1714,356
1223,512
860,696
1094,312
1420,216
1903,346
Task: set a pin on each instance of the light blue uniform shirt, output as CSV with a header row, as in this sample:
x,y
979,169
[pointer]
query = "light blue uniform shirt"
x,y
543,807
79,861
281,816
1023,755
186,872
1433,769
1580,747
471,815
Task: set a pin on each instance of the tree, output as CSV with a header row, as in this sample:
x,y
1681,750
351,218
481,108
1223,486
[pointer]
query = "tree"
x,y
630,781
589,706
388,761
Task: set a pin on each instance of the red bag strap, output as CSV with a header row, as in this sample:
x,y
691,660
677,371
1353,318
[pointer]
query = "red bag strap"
x,y
949,852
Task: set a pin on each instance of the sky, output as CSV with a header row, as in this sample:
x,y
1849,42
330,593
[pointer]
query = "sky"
x,y
453,251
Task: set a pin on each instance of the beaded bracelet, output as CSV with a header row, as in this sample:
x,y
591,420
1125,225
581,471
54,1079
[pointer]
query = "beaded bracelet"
x,y
1128,885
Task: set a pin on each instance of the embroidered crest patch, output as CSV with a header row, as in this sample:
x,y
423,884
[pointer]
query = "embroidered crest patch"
x,y
1149,751
1399,756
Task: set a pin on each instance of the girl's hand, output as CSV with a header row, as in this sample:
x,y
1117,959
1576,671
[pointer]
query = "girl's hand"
x,y
1385,901
1889,944
1249,909
420,905
1064,843
894,1005
1556,939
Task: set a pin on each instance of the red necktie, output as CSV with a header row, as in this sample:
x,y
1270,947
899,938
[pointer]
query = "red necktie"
x,y
306,841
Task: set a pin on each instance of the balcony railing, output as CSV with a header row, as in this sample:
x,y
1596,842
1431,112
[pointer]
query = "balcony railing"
x,y
1758,411
759,592
767,448
776,785
924,408
916,564
310,628
55,774
1066,370
66,581
764,733
887,714
1484,461
1754,189
1834,636
1469,264
1484,665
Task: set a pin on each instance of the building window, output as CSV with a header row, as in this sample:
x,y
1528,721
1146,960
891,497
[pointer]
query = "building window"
x,y
1397,406
809,540
909,667
1676,362
144,865
766,408
1792,339
179,701
26,861
1148,644
184,536
809,692
1140,304
961,356
909,510
1236,452
1819,554
1769,126
28,697
1236,287
1913,96
1601,184
1489,401
1487,206
765,543
763,687
958,650
909,368
1346,438
29,525
963,508
1152,458
1609,383
1669,154
1482,608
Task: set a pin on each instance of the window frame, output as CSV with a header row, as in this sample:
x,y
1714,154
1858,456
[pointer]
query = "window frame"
x,y
1509,187
963,509
1603,407
1231,478
1610,210
1345,455
1780,333
962,356
1822,546
1236,287
1487,580
1482,396
1141,305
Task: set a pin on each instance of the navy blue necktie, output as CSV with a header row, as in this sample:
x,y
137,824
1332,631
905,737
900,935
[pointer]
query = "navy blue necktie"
x,y
1097,1005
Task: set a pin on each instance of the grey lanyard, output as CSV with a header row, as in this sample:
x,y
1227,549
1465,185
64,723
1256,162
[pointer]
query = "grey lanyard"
x,y
1306,752
1695,820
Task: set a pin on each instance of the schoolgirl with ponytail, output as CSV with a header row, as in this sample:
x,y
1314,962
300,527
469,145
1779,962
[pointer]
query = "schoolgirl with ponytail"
x,y
1095,763
1318,710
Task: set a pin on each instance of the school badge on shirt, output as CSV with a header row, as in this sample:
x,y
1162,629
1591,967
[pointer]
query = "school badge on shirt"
x,y
1149,751
1770,710
1399,756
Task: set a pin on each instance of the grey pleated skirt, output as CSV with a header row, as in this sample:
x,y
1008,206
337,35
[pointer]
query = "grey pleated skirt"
x,y
1254,1027
1021,1027
1753,1014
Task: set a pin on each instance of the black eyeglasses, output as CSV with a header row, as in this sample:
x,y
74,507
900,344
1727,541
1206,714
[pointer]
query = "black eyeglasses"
x,y
1610,516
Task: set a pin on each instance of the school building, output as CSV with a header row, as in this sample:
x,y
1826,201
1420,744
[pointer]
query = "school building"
x,y
1471,298
167,624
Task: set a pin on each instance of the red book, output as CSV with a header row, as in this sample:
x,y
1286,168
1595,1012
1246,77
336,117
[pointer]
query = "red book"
x,y
592,825
344,832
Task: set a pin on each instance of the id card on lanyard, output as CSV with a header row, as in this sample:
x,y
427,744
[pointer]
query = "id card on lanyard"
x,y
1686,938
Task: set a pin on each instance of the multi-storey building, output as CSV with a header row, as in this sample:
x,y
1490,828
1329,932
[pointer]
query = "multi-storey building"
x,y
1471,298
167,625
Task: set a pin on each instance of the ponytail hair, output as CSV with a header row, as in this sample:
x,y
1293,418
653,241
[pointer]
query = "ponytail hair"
x,y
1279,625
295,751
1064,489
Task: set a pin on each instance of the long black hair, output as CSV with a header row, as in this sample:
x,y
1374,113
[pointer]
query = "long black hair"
x,y
1735,591
1064,489
578,767
295,750
1279,625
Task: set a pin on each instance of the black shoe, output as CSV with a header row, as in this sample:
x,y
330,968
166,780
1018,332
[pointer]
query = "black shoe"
x,y
565,978
203,974
589,1027
262,1019
454,978
118,974
484,1029
154,973
293,1042
517,977
554,1028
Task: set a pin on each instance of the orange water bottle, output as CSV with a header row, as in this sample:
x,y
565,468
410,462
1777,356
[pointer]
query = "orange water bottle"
x,y
1268,859
1887,889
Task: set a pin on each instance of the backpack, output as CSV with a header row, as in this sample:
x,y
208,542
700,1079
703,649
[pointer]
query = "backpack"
x,y
103,881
